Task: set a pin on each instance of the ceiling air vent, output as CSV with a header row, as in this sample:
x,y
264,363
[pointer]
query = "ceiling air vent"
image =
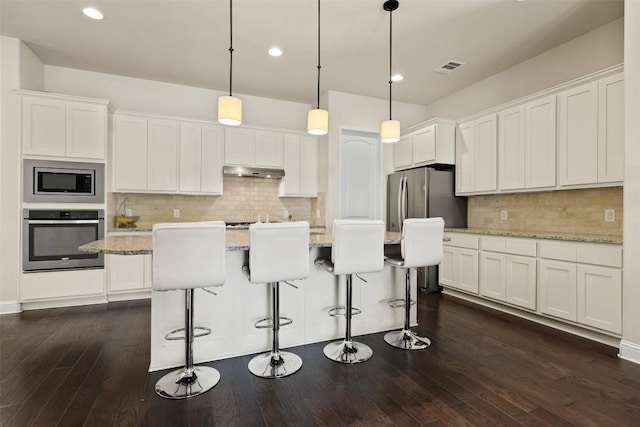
x,y
448,67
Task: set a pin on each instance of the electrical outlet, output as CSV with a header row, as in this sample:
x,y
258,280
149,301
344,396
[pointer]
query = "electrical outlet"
x,y
503,215
286,213
176,213
128,212
609,215
317,213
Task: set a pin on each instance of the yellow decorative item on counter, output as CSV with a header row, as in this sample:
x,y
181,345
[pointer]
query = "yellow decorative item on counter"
x,y
123,221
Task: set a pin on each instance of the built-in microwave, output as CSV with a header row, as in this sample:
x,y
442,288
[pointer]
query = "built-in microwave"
x,y
50,181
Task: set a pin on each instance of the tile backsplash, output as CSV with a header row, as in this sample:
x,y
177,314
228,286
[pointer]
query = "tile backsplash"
x,y
567,211
244,199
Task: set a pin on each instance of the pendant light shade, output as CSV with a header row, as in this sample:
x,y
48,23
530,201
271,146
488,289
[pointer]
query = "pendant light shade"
x,y
390,129
318,119
229,110
230,107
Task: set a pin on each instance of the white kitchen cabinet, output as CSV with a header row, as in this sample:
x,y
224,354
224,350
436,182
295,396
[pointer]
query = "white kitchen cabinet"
x,y
268,149
540,143
459,267
63,126
300,161
520,281
432,142
477,155
464,158
145,156
508,270
586,288
127,273
201,158
611,129
599,291
130,153
403,152
511,148
162,154
578,135
492,275
239,146
249,147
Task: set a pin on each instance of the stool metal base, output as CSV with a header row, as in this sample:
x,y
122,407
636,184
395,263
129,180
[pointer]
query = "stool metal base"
x,y
406,340
180,384
265,365
348,352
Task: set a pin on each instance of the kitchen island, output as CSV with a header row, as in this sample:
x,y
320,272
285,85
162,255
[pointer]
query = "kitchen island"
x,y
231,313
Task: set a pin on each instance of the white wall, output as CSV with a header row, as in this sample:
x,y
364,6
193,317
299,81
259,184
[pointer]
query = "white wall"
x,y
364,113
630,345
128,93
19,69
591,52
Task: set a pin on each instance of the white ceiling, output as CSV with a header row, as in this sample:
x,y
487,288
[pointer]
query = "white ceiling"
x,y
187,41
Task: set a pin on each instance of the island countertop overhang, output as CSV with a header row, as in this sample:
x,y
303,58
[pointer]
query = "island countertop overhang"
x,y
236,240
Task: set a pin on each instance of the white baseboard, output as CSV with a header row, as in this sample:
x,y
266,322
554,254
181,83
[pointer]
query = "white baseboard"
x,y
629,351
9,307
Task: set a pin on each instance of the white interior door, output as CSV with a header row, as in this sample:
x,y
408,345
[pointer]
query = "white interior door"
x,y
360,174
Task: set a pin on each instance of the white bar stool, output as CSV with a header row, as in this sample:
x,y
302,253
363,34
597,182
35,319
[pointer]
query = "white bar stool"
x,y
358,247
421,246
278,252
187,256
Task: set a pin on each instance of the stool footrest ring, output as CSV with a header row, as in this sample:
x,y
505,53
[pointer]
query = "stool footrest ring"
x,y
399,303
341,310
267,322
169,337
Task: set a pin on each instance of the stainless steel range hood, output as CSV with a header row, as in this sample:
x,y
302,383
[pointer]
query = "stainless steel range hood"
x,y
253,172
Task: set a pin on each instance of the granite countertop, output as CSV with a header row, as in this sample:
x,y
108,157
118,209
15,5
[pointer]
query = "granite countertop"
x,y
590,238
237,240
148,227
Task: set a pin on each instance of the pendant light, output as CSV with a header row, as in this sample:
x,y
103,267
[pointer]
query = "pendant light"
x,y
230,107
318,119
390,129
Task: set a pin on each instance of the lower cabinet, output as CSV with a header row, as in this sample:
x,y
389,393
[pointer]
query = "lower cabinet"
x,y
459,269
127,273
575,282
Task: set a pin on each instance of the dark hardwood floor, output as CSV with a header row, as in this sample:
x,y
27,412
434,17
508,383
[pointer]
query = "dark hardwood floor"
x,y
88,366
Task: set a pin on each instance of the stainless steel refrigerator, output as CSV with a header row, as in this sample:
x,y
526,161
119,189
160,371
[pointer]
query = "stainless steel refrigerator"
x,y
425,193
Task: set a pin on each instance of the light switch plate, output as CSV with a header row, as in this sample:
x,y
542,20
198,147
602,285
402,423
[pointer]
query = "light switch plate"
x,y
503,215
176,213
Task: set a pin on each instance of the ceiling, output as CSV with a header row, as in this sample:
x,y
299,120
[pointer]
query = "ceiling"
x,y
187,41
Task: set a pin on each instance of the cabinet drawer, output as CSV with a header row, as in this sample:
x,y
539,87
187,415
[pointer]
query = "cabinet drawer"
x,y
493,244
600,254
524,247
468,241
564,251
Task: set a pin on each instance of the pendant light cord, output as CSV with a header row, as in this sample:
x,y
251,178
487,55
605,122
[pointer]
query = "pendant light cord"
x,y
390,57
230,47
319,66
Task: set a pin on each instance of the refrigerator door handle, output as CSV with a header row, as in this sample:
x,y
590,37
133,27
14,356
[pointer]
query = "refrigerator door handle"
x,y
400,187
404,202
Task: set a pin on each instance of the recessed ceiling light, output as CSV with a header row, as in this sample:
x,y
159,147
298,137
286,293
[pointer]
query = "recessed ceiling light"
x,y
397,77
92,13
274,51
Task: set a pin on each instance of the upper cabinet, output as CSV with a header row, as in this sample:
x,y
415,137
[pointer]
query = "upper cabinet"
x,y
566,137
527,145
476,153
432,142
63,126
201,158
249,147
591,133
300,158
145,154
